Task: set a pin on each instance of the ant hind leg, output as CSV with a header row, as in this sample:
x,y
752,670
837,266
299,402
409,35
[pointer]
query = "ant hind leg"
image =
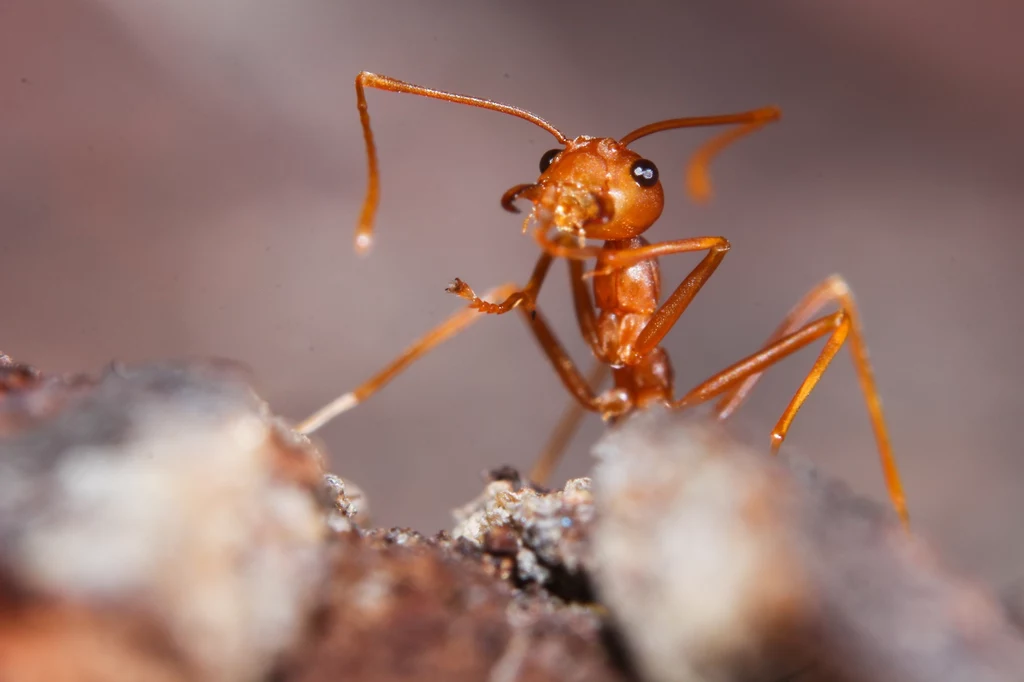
x,y
435,337
840,327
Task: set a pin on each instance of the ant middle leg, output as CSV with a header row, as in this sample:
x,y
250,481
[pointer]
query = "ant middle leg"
x,y
568,424
572,417
610,404
839,326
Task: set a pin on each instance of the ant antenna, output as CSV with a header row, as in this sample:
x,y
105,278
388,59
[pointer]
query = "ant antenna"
x,y
364,232
697,182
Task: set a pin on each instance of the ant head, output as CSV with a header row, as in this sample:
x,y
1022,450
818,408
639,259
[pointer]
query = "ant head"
x,y
597,188
593,188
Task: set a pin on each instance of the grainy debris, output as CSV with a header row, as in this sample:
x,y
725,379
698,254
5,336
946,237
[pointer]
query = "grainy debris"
x,y
347,505
543,533
160,524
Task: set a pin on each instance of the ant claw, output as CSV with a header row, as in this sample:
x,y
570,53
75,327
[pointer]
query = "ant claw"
x,y
460,288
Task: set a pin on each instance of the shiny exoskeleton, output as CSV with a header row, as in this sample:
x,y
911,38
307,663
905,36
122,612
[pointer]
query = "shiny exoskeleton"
x,y
599,189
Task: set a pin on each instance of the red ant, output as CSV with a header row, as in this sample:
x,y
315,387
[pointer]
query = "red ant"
x,y
598,188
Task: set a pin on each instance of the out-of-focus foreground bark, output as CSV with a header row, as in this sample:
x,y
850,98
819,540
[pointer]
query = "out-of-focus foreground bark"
x,y
160,523
722,563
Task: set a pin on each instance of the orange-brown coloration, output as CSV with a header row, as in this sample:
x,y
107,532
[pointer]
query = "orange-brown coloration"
x,y
600,189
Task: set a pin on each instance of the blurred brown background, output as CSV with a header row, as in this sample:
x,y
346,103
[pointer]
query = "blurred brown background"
x,y
182,179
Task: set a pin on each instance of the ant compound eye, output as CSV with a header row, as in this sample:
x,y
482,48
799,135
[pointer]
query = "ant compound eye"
x,y
548,159
644,172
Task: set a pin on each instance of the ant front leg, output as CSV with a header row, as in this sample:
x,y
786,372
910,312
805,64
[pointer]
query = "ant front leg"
x,y
610,405
669,313
586,314
568,372
527,296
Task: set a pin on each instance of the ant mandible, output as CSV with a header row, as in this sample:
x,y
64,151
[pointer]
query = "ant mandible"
x,y
600,189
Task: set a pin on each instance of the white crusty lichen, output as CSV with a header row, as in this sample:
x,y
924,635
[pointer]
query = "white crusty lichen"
x,y
549,528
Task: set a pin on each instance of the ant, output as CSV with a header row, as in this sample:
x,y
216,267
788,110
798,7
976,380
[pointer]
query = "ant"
x,y
599,189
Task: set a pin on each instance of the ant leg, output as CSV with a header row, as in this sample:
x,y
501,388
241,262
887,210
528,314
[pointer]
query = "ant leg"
x,y
841,324
578,386
567,426
672,309
447,329
833,289
759,361
562,248
527,296
569,373
583,304
669,313
573,415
